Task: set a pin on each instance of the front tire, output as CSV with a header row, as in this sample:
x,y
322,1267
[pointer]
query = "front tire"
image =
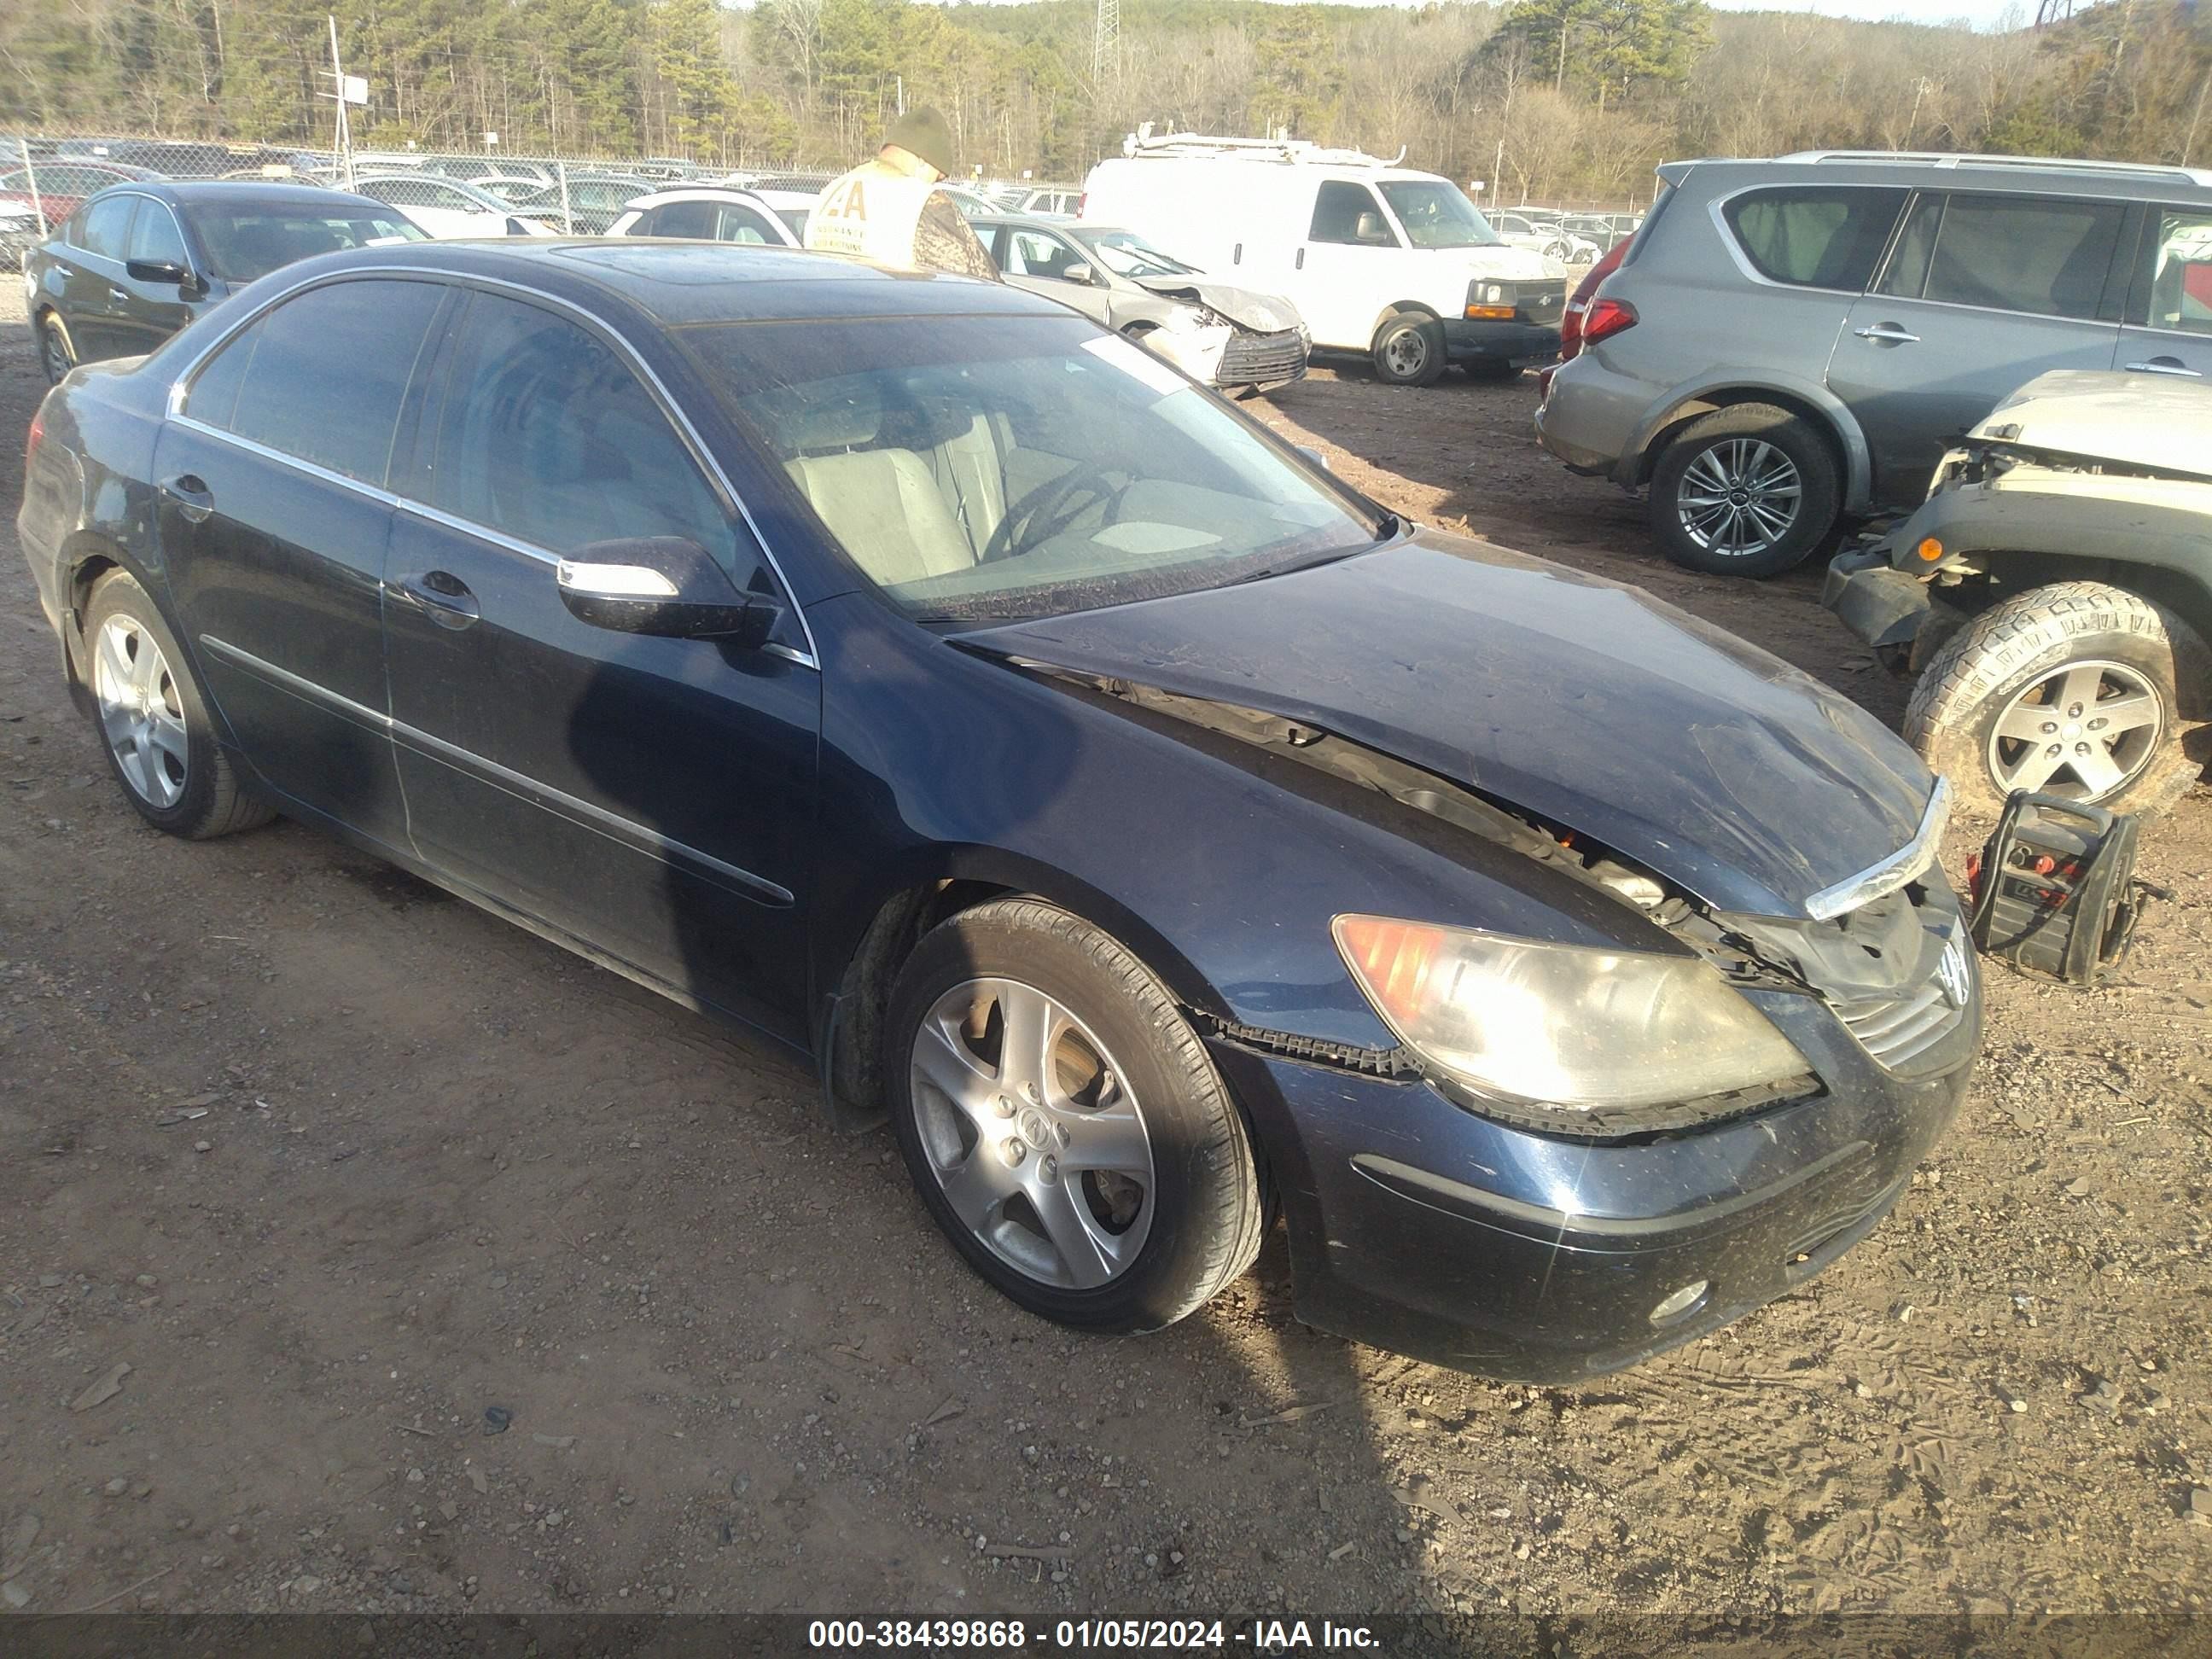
x,y
1748,490
1063,1122
153,722
1409,349
2080,689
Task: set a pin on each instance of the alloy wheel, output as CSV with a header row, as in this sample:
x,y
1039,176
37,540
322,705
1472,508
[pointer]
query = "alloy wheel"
x,y
141,713
1033,1133
1739,497
2084,730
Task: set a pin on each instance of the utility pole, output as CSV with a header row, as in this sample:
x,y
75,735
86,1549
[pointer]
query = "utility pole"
x,y
1105,38
342,137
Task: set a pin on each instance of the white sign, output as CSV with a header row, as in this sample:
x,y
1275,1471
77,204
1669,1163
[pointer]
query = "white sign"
x,y
354,88
490,138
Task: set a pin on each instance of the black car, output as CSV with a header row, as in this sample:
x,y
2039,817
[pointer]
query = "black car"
x,y
136,262
1157,830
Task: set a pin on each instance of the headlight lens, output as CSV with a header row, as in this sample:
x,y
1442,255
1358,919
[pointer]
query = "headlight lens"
x,y
1561,1027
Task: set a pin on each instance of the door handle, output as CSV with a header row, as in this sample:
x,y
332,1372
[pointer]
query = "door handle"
x,y
2165,366
118,296
193,500
442,595
1299,264
1890,333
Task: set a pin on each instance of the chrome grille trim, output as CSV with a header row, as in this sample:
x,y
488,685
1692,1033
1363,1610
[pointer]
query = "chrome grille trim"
x,y
1905,865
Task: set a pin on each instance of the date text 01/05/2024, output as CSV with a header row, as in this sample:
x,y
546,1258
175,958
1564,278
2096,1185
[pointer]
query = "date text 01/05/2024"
x,y
1091,1635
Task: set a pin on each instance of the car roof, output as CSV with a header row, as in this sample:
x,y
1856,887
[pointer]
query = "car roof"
x,y
246,192
700,193
2052,174
679,282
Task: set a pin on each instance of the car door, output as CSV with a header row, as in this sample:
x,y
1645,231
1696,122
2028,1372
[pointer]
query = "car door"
x,y
91,291
151,310
1980,293
650,796
1041,263
273,520
1340,269
2168,329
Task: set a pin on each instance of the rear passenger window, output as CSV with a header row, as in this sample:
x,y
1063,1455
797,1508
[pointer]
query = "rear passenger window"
x,y
547,436
108,226
741,224
686,219
1815,236
2024,253
2181,269
1906,276
321,377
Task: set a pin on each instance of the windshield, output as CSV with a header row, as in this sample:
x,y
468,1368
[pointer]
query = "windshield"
x,y
242,246
1436,214
1125,254
985,468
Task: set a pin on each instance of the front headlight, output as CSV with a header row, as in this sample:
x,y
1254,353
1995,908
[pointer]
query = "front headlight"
x,y
1559,1030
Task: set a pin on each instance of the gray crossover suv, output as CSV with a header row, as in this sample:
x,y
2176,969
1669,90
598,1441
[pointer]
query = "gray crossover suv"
x,y
1790,343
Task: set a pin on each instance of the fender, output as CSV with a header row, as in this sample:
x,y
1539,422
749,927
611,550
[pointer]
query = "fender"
x,y
1399,308
1709,392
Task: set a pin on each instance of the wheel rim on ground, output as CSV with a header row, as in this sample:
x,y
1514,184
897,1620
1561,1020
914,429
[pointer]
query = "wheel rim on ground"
x,y
57,357
1406,352
1033,1133
2084,730
141,712
1740,496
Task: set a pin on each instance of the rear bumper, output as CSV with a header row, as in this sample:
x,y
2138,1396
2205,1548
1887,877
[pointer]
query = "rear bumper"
x,y
1420,1227
1467,341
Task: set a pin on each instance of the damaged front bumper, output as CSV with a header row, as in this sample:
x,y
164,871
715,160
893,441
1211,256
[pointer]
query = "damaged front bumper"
x,y
1883,591
1425,1228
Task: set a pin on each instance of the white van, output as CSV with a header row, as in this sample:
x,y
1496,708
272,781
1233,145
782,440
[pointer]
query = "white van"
x,y
1378,258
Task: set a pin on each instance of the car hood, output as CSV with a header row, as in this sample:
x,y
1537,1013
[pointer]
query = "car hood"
x,y
1585,702
2154,421
1264,313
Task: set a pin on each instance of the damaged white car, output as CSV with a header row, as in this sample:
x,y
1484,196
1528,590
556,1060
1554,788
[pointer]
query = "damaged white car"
x,y
1215,332
2053,594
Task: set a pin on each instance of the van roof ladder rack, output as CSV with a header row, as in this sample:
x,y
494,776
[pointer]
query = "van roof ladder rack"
x,y
1144,143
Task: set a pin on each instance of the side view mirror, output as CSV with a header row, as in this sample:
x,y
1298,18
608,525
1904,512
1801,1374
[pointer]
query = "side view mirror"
x,y
1078,274
662,585
162,270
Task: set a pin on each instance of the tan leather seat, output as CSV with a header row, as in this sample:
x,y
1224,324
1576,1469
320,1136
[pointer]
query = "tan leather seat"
x,y
885,507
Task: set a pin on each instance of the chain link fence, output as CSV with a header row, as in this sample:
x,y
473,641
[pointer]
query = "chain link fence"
x,y
44,176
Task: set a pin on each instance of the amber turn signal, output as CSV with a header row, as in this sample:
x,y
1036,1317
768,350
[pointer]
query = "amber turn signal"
x,y
1930,548
1491,314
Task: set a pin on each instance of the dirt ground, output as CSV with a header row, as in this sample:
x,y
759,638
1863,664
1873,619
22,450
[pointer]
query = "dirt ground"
x,y
323,1166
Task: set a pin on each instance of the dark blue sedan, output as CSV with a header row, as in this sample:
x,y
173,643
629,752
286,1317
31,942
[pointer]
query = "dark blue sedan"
x,y
1162,834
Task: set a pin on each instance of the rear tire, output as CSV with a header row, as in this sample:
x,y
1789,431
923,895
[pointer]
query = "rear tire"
x,y
1409,349
1748,490
153,723
2023,666
1021,1177
57,351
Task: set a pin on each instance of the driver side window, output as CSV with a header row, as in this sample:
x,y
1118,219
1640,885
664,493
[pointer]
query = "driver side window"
x,y
1034,253
1348,213
547,436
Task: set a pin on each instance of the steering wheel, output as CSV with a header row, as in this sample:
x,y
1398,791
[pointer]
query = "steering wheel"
x,y
1048,510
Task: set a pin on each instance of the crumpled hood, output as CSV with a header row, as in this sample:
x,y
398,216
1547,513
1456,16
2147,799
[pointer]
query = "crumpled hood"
x,y
1585,702
2155,421
1263,313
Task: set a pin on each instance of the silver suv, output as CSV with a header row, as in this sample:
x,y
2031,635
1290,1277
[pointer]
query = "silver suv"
x,y
1790,343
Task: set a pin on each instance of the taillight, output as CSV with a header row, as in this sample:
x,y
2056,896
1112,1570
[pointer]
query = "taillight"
x,y
1606,318
31,444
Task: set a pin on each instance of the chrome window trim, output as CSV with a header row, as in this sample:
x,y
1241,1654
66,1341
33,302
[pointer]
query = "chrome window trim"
x,y
179,387
414,508
570,806
1907,864
298,464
